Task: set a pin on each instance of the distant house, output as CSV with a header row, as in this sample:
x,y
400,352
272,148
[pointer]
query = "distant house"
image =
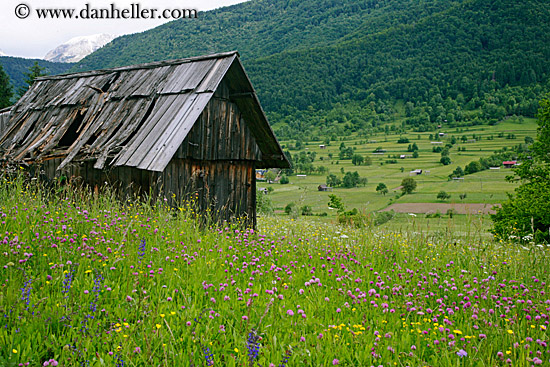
x,y
436,142
301,176
415,172
402,156
459,179
509,164
494,168
322,146
441,134
324,188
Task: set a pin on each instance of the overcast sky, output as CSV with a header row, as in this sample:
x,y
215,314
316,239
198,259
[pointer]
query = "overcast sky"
x,y
32,37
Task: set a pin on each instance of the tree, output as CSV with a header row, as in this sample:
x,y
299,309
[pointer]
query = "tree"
x,y
306,210
462,196
263,203
526,213
289,208
5,89
408,185
351,179
284,180
382,188
412,147
473,167
445,160
336,202
442,195
458,172
345,152
357,159
34,72
270,176
333,180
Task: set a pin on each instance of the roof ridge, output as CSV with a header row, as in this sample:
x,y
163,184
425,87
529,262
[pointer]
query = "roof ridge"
x,y
150,65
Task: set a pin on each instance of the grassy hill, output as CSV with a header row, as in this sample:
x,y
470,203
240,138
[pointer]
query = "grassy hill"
x,y
485,187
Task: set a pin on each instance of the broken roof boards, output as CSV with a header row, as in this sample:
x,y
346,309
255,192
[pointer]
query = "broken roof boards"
x,y
132,116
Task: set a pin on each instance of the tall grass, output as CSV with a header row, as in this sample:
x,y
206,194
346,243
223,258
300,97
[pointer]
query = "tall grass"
x,y
86,281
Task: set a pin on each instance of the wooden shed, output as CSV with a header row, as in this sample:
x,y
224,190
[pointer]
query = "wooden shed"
x,y
173,129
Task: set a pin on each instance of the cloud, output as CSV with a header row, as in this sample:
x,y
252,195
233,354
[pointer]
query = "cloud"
x,y
34,37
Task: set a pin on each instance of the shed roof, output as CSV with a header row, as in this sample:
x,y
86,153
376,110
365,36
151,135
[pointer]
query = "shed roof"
x,y
135,116
4,115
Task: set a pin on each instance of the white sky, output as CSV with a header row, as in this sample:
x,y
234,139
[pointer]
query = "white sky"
x,y
33,37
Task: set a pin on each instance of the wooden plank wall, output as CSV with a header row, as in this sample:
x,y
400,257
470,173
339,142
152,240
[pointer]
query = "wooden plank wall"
x,y
215,167
224,190
220,133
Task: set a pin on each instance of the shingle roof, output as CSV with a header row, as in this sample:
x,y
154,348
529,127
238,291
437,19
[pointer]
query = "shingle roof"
x,y
135,116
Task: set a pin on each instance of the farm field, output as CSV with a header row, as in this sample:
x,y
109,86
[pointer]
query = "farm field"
x,y
89,282
485,187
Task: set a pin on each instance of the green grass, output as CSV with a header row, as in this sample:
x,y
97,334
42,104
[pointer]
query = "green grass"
x,y
85,280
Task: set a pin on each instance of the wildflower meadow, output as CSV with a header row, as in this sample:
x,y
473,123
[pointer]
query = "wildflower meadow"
x,y
88,281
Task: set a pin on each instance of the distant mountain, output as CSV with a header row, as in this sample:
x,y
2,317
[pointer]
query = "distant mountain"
x,y
15,67
2,53
77,48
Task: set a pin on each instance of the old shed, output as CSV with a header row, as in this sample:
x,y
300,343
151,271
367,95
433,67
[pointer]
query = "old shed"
x,y
173,129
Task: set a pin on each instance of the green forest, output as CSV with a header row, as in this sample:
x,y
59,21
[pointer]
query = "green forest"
x,y
333,68
17,67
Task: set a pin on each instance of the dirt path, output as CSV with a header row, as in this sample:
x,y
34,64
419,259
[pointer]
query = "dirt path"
x,y
426,208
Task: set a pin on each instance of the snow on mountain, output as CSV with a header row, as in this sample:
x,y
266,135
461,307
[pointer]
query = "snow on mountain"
x,y
77,48
2,53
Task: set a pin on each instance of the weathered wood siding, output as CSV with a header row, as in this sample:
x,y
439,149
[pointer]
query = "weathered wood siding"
x,y
225,190
4,117
220,133
214,167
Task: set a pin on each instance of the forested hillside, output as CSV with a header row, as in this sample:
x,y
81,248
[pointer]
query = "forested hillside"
x,y
16,67
477,62
259,28
344,66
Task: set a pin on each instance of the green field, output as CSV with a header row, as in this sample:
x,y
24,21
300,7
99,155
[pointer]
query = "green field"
x,y
487,187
